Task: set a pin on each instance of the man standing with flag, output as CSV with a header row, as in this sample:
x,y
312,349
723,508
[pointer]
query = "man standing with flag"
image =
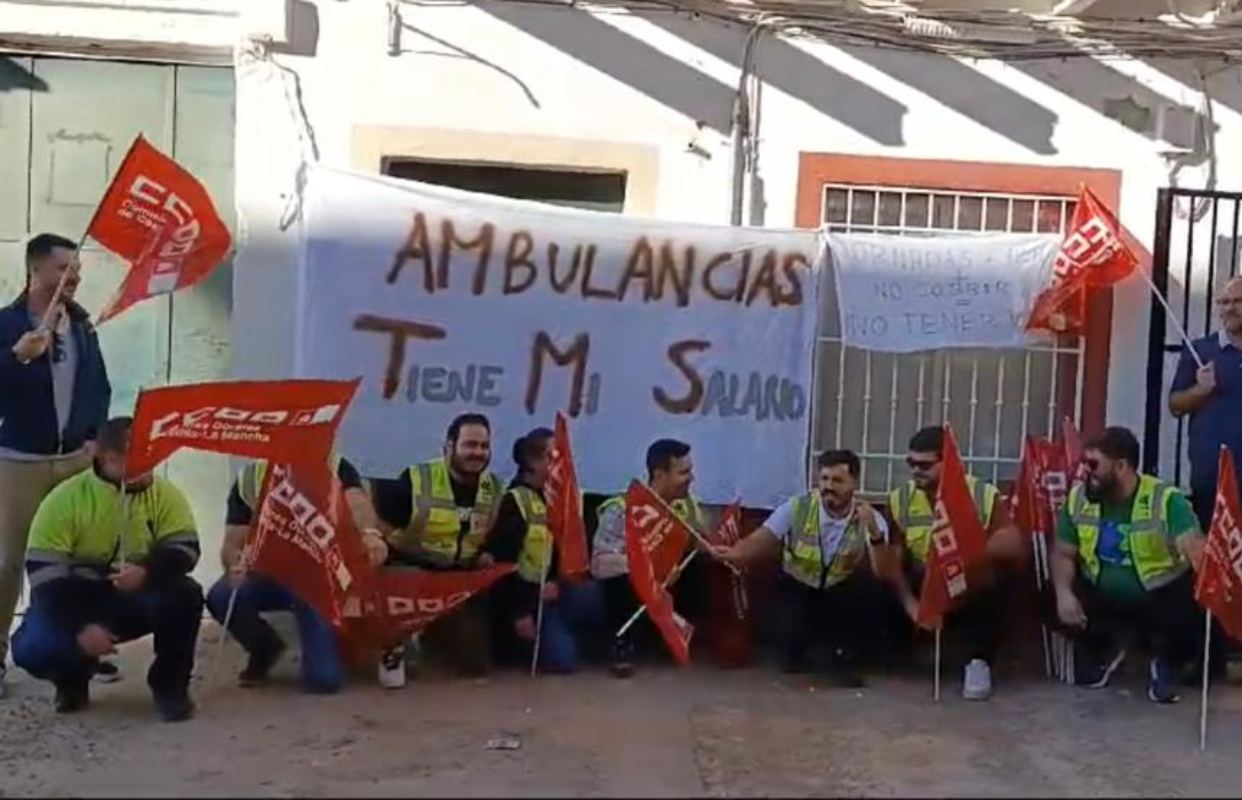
x,y
1212,396
825,541
109,561
522,536
55,396
670,472
978,616
1127,544
438,514
322,671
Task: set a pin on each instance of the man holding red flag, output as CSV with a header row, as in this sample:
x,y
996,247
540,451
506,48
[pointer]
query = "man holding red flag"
x,y
919,508
670,472
825,541
55,396
248,595
438,515
522,536
1127,544
1211,395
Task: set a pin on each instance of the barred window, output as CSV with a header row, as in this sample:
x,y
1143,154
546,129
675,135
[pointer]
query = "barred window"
x,y
872,403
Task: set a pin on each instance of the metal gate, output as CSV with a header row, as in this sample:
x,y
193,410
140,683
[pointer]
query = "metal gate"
x,y
872,403
1196,251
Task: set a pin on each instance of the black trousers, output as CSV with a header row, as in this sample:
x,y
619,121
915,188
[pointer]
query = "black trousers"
x,y
851,619
689,599
1167,620
172,611
976,627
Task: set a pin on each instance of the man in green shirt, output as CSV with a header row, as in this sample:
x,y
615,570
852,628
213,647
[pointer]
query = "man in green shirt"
x,y
109,562
1127,545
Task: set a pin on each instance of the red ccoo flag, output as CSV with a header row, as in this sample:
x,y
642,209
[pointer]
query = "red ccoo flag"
x,y
1093,254
958,537
160,219
1041,487
408,599
565,507
278,421
1219,588
303,538
649,526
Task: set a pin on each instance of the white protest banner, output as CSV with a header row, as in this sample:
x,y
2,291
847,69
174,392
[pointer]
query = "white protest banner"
x,y
903,294
445,302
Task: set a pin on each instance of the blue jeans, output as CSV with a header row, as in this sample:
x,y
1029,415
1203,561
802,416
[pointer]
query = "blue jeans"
x,y
579,608
322,672
49,650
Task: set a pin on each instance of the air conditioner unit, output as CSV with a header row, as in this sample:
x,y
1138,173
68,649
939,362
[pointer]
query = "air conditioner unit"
x,y
1179,126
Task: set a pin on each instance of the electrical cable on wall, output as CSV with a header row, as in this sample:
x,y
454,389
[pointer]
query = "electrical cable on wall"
x,y
979,33
256,56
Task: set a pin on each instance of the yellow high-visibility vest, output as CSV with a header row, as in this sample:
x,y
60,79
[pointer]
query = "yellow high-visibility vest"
x,y
1156,558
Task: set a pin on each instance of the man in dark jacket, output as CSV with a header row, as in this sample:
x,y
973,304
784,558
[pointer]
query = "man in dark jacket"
x,y
55,396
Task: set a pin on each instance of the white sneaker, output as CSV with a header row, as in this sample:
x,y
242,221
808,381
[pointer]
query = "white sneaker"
x,y
977,683
392,668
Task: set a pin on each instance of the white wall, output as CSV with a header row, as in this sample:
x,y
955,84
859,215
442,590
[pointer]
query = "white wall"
x,y
540,79
525,70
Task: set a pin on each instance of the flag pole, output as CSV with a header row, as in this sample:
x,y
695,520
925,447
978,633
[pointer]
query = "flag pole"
x,y
1207,643
1039,590
60,286
543,579
642,609
214,672
936,674
1172,318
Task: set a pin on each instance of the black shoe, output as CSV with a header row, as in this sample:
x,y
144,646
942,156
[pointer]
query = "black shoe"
x,y
174,707
260,665
846,677
622,658
796,663
843,673
72,697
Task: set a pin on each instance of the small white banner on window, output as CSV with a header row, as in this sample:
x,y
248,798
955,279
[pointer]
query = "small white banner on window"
x,y
902,294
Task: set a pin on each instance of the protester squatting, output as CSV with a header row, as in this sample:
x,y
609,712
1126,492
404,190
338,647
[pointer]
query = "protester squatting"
x,y
240,597
1127,546
521,536
977,618
108,562
670,472
437,515
829,591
